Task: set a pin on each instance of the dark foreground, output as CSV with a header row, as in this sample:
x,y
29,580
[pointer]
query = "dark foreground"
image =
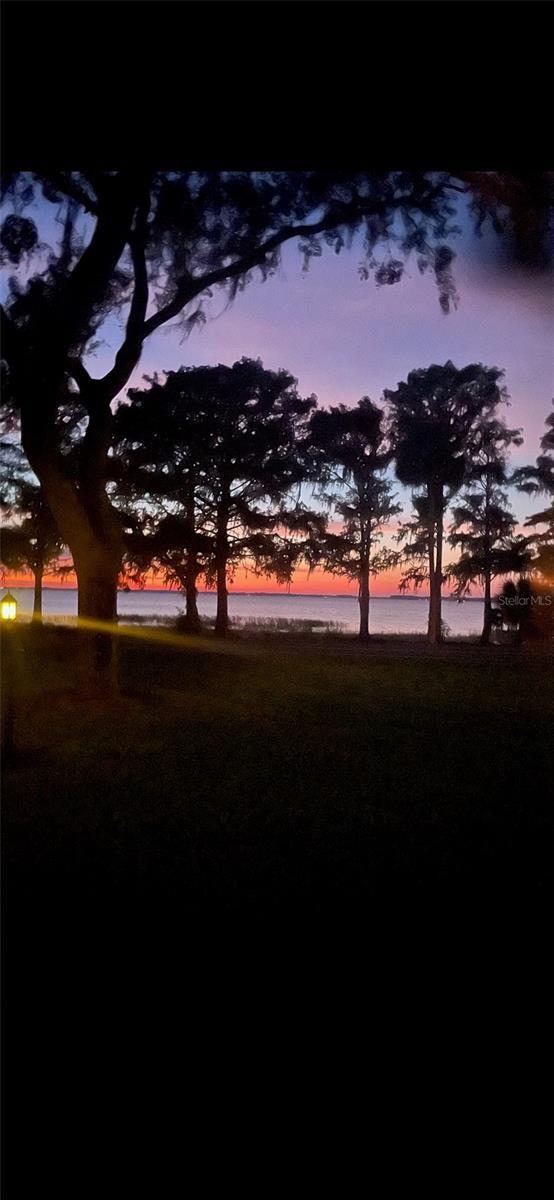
x,y
312,868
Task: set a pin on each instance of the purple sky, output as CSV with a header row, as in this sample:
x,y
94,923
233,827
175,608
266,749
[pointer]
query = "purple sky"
x,y
344,338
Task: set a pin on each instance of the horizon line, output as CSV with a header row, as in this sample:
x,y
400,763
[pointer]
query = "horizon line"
x,y
305,595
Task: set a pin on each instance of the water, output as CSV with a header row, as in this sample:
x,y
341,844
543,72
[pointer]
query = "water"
x,y
387,615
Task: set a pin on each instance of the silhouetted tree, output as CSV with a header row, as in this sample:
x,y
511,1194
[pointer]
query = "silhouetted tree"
x,y
161,460
156,539
432,417
483,525
351,455
539,480
31,541
153,246
217,449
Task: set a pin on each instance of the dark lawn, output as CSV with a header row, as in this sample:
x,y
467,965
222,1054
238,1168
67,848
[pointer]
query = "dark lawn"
x,y
275,774
283,824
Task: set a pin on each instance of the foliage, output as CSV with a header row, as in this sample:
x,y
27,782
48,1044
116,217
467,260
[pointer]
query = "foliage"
x,y
31,540
432,416
433,419
482,527
350,457
205,459
535,481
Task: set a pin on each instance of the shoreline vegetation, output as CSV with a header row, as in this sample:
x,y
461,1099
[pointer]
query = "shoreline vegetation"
x,y
250,626
308,635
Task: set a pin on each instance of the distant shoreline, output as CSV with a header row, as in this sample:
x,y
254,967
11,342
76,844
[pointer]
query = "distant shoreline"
x,y
25,587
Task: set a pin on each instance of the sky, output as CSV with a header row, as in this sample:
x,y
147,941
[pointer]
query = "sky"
x,y
344,338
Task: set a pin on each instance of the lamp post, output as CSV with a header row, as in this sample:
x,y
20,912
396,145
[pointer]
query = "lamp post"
x,y
8,613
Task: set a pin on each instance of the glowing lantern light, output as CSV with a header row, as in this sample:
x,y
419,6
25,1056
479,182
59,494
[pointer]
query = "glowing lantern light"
x,y
8,607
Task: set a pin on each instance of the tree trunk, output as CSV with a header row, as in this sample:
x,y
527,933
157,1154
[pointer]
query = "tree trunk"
x,y
487,616
438,567
89,527
363,600
435,574
431,566
222,555
222,614
192,616
97,608
37,598
434,623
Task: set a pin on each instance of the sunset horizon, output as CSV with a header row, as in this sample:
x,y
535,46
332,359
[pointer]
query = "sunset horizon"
x,y
309,588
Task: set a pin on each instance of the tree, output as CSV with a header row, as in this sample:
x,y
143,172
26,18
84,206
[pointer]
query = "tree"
x,y
32,541
160,463
433,416
217,449
157,540
483,525
152,246
539,480
351,455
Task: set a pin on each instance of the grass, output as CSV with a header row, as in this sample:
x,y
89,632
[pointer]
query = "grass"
x,y
268,850
269,773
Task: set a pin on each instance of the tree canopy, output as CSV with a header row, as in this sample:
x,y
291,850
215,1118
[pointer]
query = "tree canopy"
x,y
539,480
483,525
216,451
433,415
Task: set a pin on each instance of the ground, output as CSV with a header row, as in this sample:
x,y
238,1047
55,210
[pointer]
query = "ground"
x,y
380,813
225,773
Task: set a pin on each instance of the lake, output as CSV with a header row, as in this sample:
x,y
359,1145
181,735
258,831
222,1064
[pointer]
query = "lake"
x,y
387,614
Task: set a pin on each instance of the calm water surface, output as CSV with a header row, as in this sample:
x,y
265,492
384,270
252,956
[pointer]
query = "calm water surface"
x,y
387,615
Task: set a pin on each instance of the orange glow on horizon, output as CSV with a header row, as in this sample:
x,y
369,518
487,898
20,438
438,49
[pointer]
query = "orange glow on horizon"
x,y
319,582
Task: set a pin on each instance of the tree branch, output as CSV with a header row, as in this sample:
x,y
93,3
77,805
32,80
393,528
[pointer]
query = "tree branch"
x,y
64,261
189,290
79,373
93,272
45,459
70,187
129,352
